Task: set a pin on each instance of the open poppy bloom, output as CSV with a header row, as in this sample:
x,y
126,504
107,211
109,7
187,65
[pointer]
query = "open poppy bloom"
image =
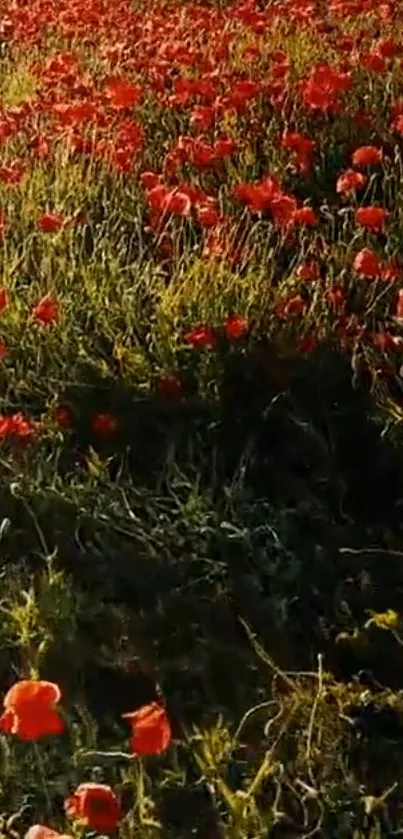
x,y
200,336
366,156
122,93
367,263
30,710
308,271
151,730
51,222
47,311
305,215
349,181
372,218
16,426
95,806
236,327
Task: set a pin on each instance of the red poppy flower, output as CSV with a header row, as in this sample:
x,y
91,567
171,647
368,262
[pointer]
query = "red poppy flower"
x,y
51,222
63,417
202,117
367,156
151,730
40,831
392,272
40,147
163,200
291,307
104,424
170,387
322,89
259,196
399,305
47,311
3,298
367,264
282,209
11,175
387,47
95,806
335,297
302,148
372,218
349,181
305,215
149,180
200,336
308,271
235,327
17,426
30,710
122,94
386,342
307,344
207,215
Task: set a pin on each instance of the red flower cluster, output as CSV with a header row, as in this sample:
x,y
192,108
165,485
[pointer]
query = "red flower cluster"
x,y
323,89
267,196
16,426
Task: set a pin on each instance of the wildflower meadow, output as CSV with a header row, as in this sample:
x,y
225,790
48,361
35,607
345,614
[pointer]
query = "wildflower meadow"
x,y
201,419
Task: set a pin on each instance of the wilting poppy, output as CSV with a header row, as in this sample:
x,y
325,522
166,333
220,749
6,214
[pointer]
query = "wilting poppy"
x,y
30,710
95,806
151,730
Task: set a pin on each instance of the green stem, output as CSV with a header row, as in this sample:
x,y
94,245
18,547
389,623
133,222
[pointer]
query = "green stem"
x,y
42,776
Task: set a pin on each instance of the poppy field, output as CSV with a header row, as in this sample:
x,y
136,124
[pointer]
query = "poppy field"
x,y
201,412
